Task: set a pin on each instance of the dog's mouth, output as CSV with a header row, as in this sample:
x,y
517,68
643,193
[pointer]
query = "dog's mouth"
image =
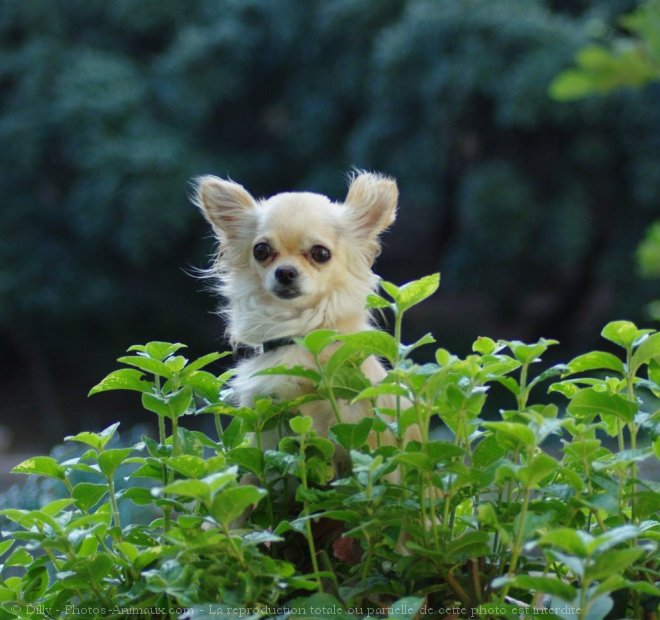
x,y
287,292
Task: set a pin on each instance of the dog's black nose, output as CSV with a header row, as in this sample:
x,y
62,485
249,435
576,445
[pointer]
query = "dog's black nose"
x,y
286,275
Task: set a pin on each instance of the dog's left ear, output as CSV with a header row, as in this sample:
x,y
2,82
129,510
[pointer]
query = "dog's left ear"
x,y
372,200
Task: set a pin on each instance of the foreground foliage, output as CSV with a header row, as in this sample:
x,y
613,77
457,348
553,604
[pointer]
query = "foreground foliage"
x,y
528,514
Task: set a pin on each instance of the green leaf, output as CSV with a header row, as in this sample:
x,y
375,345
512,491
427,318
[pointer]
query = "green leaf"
x,y
443,451
529,353
87,495
595,360
6,595
381,389
391,289
588,403
203,489
56,506
540,467
487,515
5,545
612,537
406,349
648,350
248,458
324,446
158,350
623,333
295,371
188,465
97,441
233,435
41,466
521,434
570,85
204,384
230,503
484,345
347,383
405,608
122,379
567,388
544,585
179,401
414,292
110,460
470,544
147,364
375,301
570,540
487,451
176,363
318,340
98,568
20,557
196,489
156,404
373,342
301,425
418,460
352,436
613,562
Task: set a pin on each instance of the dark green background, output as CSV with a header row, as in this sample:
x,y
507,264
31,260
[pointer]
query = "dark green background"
x,y
531,208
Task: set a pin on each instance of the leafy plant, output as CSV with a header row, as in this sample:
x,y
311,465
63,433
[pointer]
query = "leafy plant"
x,y
521,512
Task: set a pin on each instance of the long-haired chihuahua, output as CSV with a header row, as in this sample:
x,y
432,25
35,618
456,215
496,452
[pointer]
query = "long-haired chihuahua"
x,y
294,263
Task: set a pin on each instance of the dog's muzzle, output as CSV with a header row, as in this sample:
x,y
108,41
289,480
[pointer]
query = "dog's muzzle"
x,y
286,286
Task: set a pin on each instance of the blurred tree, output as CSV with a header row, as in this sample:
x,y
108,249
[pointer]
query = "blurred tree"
x,y
530,207
527,204
631,60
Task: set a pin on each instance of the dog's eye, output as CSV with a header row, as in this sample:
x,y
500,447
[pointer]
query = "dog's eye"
x,y
262,251
320,254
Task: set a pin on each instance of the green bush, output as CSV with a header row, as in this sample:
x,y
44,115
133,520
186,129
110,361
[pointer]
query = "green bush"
x,y
493,521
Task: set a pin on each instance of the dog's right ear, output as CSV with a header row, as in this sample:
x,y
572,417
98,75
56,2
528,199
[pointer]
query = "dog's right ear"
x,y
227,206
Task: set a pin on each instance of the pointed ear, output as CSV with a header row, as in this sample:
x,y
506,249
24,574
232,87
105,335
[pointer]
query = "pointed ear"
x,y
372,201
227,206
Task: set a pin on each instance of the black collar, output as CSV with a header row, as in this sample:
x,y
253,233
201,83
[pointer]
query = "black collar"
x,y
276,343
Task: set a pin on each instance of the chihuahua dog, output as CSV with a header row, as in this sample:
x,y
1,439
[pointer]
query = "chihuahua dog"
x,y
291,264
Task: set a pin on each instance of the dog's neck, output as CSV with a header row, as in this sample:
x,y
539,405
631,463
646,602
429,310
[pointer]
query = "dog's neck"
x,y
253,320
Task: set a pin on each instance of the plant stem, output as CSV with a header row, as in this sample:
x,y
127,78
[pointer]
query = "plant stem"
x,y
518,543
328,390
113,503
398,319
457,589
175,436
367,562
445,515
161,430
235,549
218,425
523,395
429,491
632,429
422,506
308,524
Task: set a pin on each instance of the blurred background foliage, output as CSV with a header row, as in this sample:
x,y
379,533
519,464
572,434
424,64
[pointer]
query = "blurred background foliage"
x,y
532,207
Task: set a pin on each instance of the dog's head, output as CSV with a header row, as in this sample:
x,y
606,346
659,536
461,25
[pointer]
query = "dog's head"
x,y
295,250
